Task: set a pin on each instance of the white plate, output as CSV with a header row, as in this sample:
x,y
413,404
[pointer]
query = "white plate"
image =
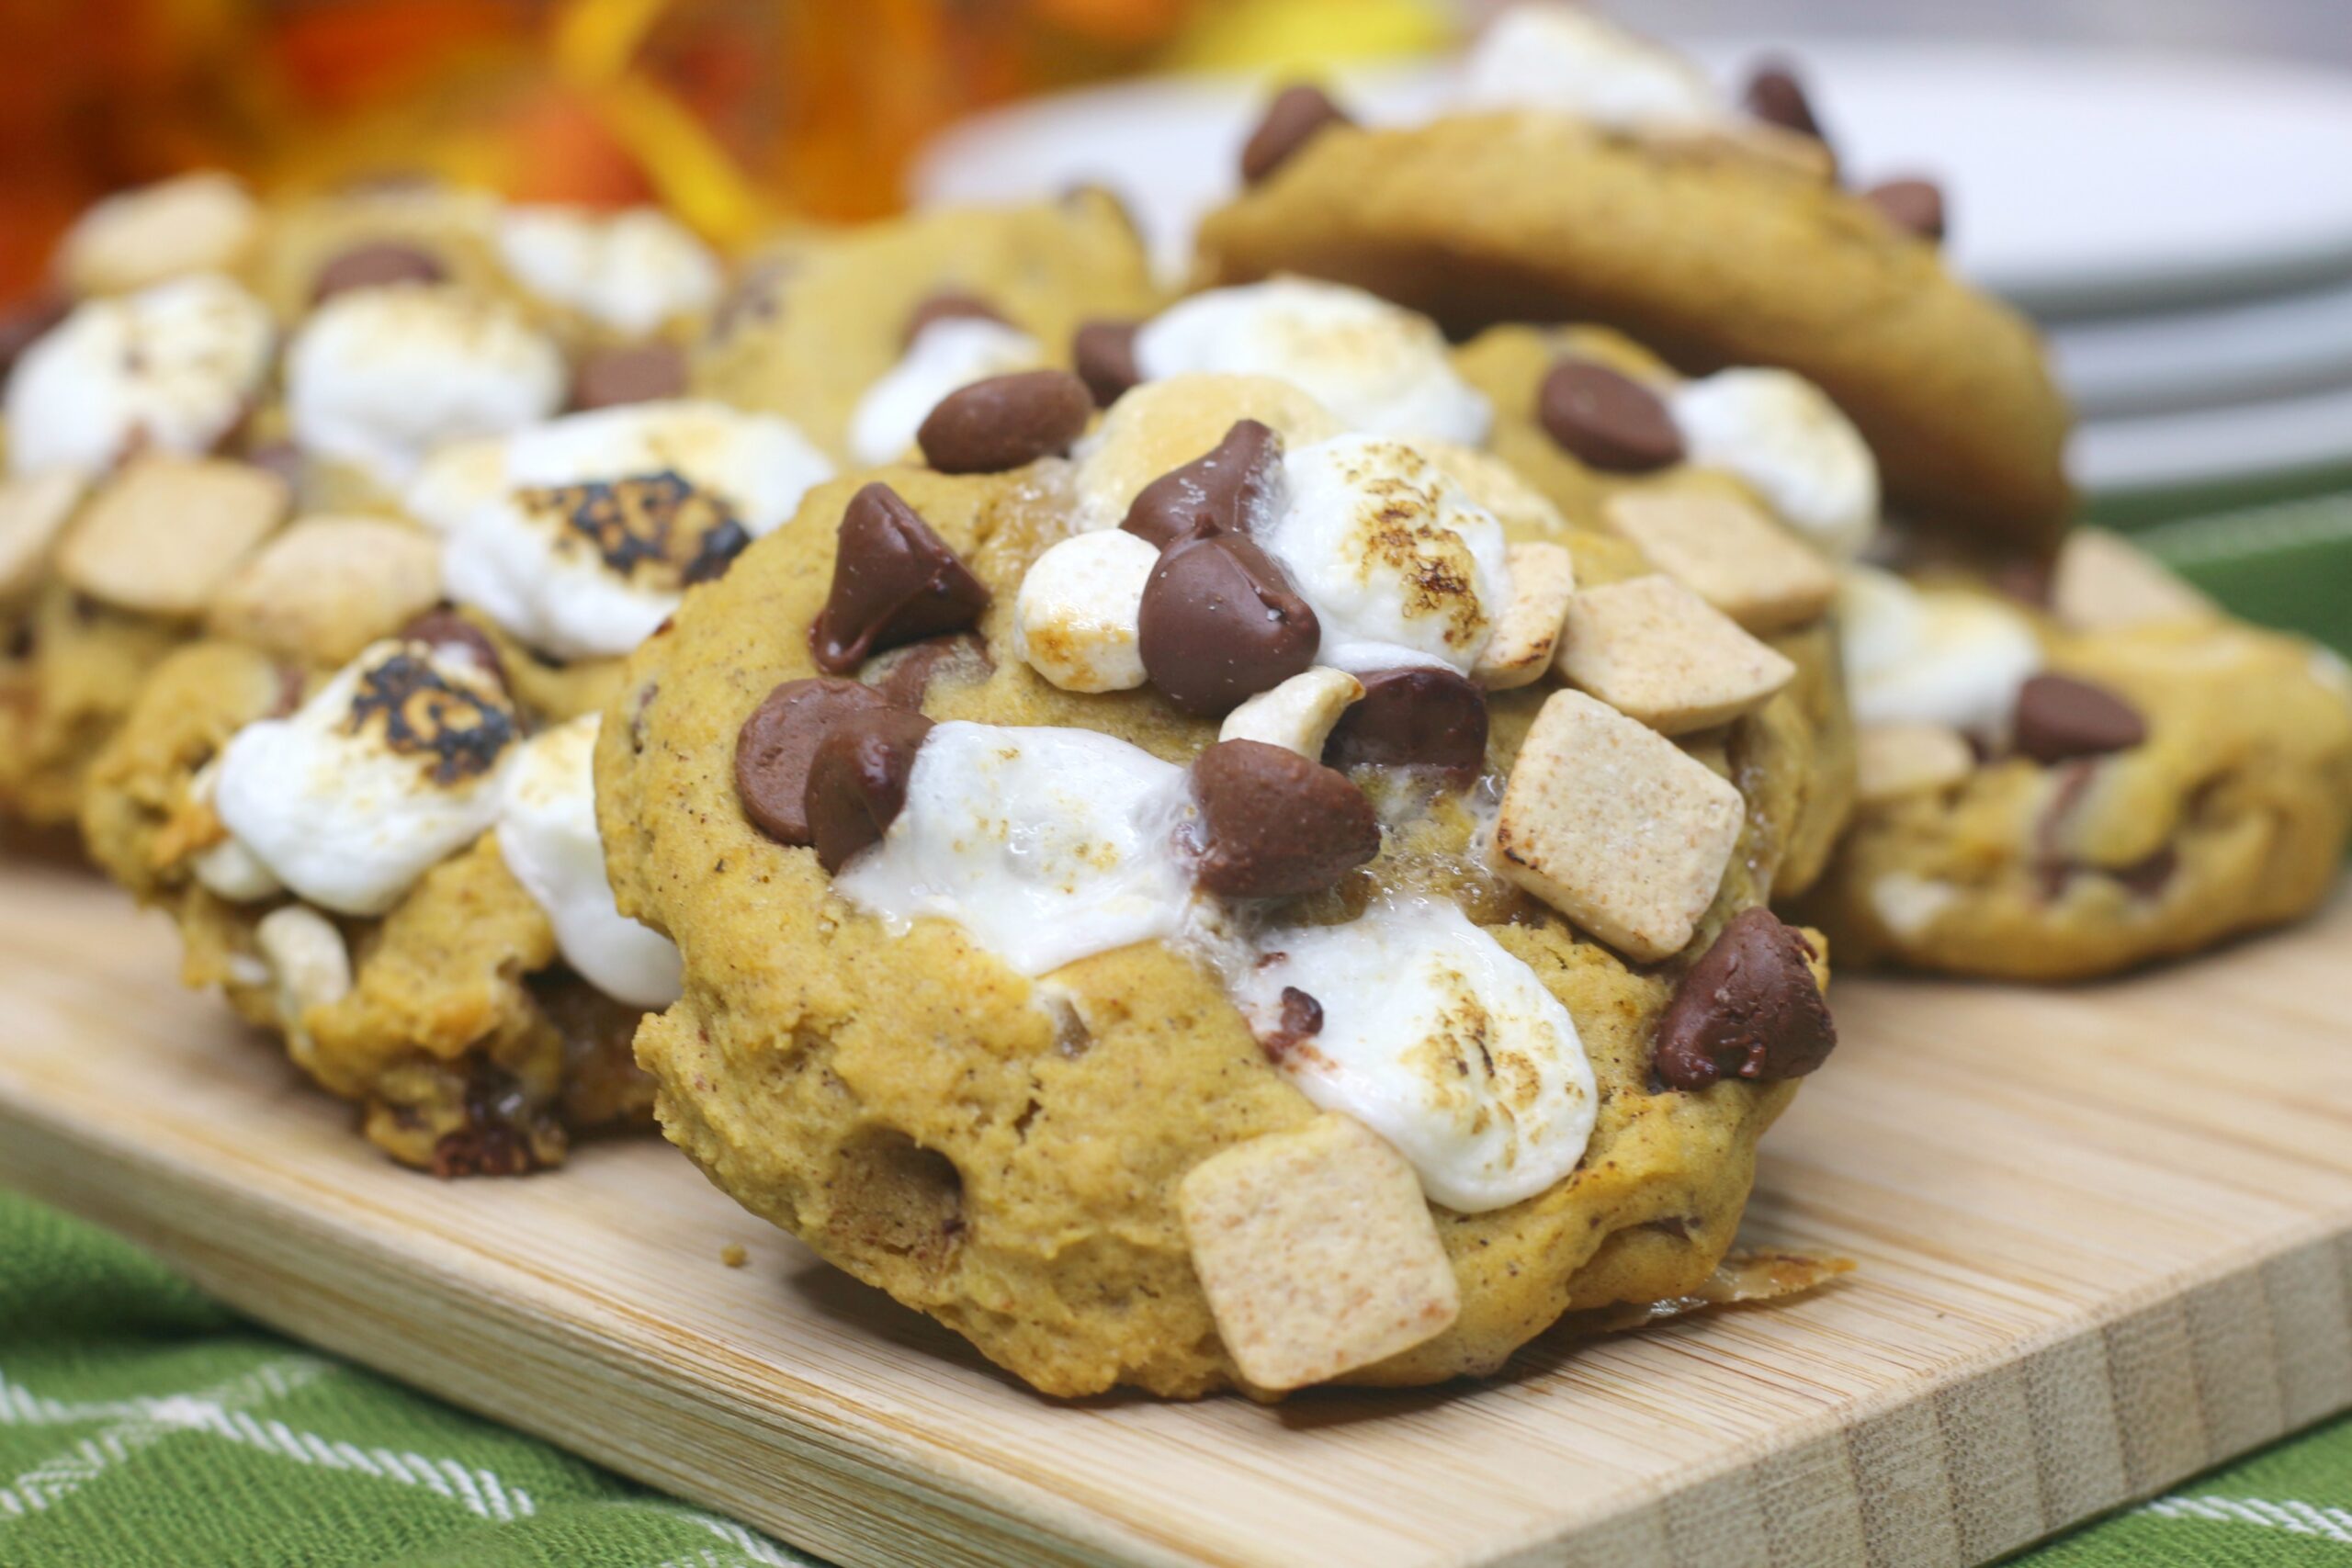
x,y
2215,446
2203,358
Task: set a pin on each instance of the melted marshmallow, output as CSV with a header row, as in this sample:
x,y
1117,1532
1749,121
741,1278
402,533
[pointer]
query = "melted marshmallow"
x,y
1375,366
519,552
1045,845
1782,436
1933,656
378,377
1400,565
547,835
630,271
947,355
1562,59
392,766
169,368
1438,1039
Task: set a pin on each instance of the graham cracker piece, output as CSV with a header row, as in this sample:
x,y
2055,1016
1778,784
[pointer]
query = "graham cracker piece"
x,y
1892,761
329,586
1728,553
33,514
168,532
1527,629
1655,651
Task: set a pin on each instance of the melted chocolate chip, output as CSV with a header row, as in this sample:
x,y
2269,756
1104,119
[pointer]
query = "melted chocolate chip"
x,y
1103,354
1776,96
1221,492
1913,206
1301,1020
1273,824
1005,421
895,582
375,264
1749,1008
1297,114
2059,717
775,749
857,781
951,305
961,657
1420,715
1607,420
1219,624
426,715
629,373
446,629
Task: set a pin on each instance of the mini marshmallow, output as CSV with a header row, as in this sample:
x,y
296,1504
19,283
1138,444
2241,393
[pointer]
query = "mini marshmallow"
x,y
329,586
1045,845
454,480
227,869
392,766
1783,436
171,369
547,835
1727,552
630,271
1297,715
1400,566
378,378
1655,651
1562,59
1543,582
33,515
1433,1035
1615,827
1377,367
2102,582
197,222
308,960
947,355
169,532
1894,760
1933,656
1078,608
1317,1253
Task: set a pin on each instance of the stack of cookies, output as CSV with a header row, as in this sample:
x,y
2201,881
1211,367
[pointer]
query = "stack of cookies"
x,y
1287,833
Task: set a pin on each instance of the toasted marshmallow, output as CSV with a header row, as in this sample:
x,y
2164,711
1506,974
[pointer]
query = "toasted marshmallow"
x,y
547,835
1782,436
630,271
1079,609
1933,656
1298,715
1435,1037
378,378
198,222
599,520
170,369
393,765
1562,59
947,355
1044,845
1377,367
1400,565
455,480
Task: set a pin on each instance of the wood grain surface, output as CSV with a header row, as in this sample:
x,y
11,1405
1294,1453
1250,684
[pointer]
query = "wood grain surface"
x,y
2105,1237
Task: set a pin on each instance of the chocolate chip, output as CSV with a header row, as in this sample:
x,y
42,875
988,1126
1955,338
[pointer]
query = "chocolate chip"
x,y
1219,624
951,305
777,743
2148,878
1915,206
2059,717
720,545
2025,578
1105,356
857,781
281,458
1420,715
895,582
1776,96
1273,824
375,264
1005,421
1293,119
962,658
629,373
1749,1008
1218,492
1607,420
446,629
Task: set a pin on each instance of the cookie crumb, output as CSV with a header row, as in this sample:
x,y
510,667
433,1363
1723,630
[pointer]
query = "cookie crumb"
x,y
733,1255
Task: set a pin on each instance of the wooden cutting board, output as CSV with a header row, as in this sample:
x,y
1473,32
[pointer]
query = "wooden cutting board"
x,y
2105,1237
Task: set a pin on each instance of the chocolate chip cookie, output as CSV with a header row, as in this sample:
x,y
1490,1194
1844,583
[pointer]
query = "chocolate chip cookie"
x,y
1189,931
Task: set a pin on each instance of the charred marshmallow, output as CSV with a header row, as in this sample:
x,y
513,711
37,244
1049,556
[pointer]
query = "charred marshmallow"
x,y
1933,656
1783,436
392,766
378,378
1375,366
1426,1029
630,271
947,355
547,835
170,369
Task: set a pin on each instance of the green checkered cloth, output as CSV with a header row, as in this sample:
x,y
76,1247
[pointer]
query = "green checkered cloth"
x,y
142,1425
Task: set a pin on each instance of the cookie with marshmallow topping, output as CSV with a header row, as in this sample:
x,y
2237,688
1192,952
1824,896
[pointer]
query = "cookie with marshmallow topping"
x,y
1041,892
